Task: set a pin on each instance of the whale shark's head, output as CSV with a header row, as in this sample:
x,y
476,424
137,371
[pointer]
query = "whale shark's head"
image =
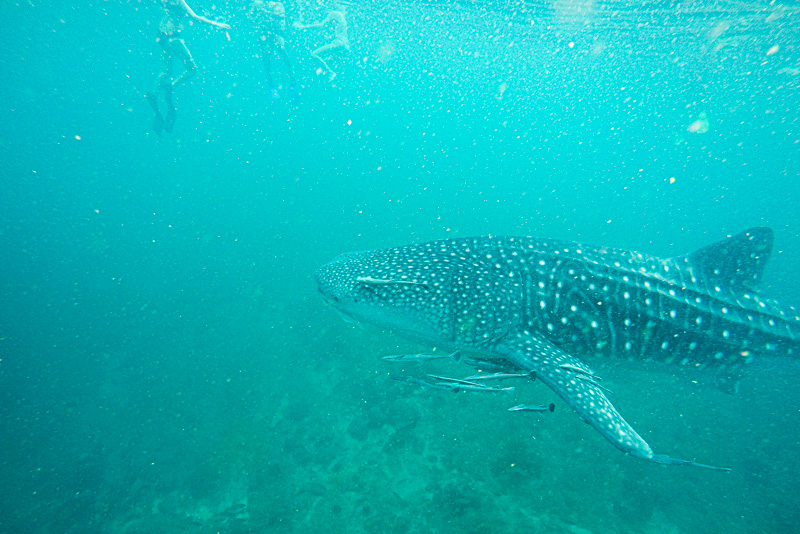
x,y
390,289
448,291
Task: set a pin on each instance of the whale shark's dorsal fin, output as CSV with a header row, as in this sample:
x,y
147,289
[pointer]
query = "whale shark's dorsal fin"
x,y
736,262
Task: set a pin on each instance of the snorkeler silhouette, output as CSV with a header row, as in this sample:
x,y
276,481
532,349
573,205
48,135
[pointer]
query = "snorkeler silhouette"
x,y
339,44
173,47
269,18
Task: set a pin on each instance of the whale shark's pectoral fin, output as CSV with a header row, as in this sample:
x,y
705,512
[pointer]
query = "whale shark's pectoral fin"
x,y
566,375
562,373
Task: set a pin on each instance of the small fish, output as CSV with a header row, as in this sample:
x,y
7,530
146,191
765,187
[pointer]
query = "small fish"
x,y
236,511
485,365
455,356
502,376
455,386
532,408
580,370
423,383
586,375
381,282
593,381
457,381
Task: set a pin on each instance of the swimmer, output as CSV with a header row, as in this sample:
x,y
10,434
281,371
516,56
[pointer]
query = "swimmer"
x,y
173,47
337,19
270,20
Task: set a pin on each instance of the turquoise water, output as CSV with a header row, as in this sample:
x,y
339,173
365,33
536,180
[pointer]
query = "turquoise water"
x,y
166,364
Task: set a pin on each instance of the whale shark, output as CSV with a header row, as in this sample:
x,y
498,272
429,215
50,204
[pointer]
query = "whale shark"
x,y
548,306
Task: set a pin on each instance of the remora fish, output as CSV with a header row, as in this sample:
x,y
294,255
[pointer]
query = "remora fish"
x,y
421,357
457,381
539,305
532,408
423,383
458,386
501,376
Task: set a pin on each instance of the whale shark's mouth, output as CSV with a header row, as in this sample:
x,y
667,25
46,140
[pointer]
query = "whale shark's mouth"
x,y
347,318
331,302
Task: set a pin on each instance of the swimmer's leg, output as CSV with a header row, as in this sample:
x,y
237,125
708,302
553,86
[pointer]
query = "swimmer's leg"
x,y
266,53
190,67
325,51
294,91
169,122
163,80
281,49
265,58
158,122
179,50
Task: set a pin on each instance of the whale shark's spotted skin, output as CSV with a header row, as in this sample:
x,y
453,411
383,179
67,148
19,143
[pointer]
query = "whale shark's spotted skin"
x,y
542,305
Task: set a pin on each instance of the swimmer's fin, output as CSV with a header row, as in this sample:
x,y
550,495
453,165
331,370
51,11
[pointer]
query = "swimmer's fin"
x,y
171,116
158,124
294,92
158,121
274,94
169,123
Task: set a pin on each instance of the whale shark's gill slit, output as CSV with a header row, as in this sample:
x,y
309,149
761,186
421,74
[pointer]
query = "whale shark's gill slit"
x,y
526,315
612,333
